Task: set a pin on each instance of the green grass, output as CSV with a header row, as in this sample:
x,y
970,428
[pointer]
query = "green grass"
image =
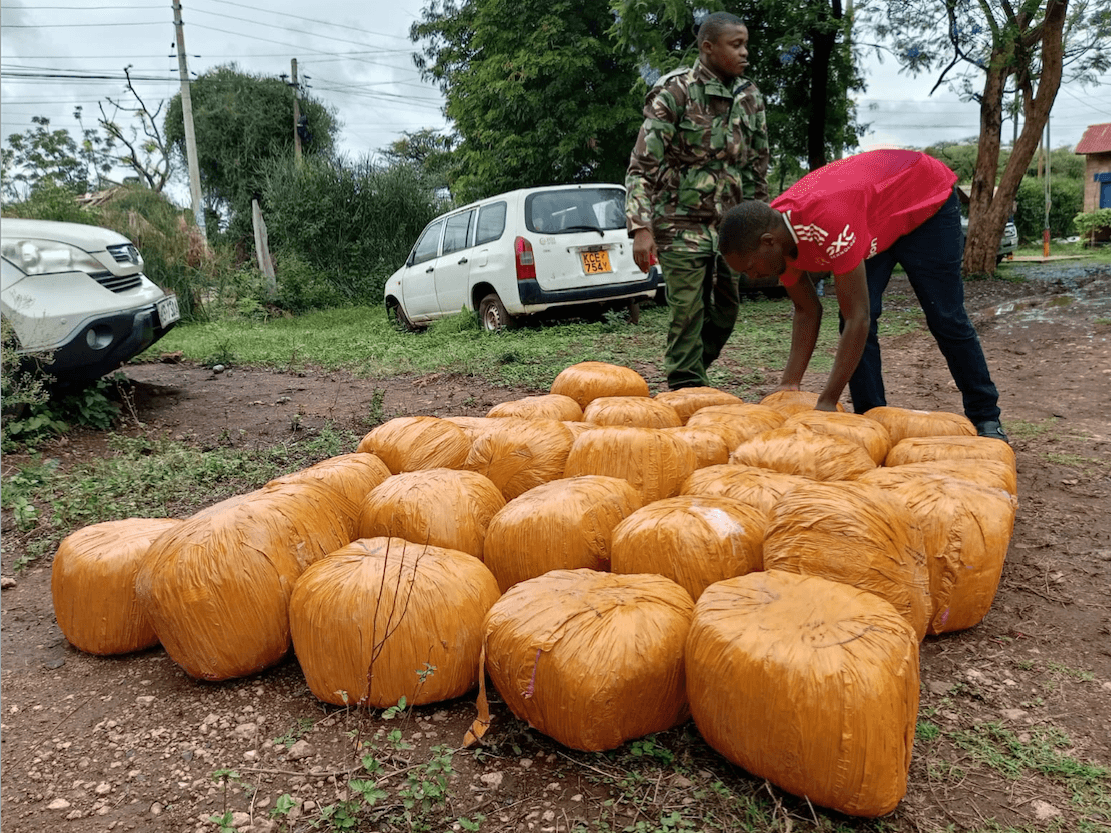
x,y
1033,248
1026,430
361,340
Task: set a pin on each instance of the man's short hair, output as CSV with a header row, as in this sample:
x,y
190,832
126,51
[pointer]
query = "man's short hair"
x,y
743,224
715,24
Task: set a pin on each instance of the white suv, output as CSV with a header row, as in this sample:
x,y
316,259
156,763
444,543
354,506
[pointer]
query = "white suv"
x,y
78,295
562,248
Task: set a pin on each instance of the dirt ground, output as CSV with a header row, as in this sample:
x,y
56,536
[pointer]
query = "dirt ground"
x,y
131,743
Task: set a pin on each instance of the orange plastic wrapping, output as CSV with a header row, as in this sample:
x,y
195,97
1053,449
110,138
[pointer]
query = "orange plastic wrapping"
x,y
473,427
989,473
577,428
709,446
966,529
591,659
789,402
562,525
736,423
757,487
405,616
92,582
353,474
586,381
440,507
693,540
414,443
810,684
856,534
867,433
520,454
546,406
216,586
927,449
686,401
638,411
803,451
655,462
904,422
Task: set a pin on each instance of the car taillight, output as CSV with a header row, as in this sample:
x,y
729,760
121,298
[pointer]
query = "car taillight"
x,y
526,263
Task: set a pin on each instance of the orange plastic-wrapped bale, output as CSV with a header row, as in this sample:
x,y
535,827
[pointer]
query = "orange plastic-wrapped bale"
x,y
686,401
441,507
655,462
520,454
403,617
966,529
546,406
591,659
789,402
810,684
905,422
586,381
577,428
805,452
92,582
710,448
216,586
989,473
353,474
562,525
757,487
736,423
693,540
638,411
414,443
927,449
867,433
473,427
856,534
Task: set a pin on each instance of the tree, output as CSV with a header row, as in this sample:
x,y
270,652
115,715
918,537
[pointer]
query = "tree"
x,y
427,150
44,158
148,155
1022,46
242,121
537,90
799,57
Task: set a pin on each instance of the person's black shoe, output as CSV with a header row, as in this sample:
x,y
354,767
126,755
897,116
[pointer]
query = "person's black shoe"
x,y
992,428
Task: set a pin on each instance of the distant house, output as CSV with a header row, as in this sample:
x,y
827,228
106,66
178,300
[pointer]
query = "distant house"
x,y
1095,145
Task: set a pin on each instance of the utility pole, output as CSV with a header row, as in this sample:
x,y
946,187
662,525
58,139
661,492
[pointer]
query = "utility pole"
x,y
296,112
187,117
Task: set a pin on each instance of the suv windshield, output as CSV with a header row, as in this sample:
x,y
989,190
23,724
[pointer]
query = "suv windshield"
x,y
575,210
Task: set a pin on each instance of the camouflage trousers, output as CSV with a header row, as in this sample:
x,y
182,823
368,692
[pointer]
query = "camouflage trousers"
x,y
703,298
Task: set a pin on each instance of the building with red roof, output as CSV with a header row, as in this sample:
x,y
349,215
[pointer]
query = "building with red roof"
x,y
1095,145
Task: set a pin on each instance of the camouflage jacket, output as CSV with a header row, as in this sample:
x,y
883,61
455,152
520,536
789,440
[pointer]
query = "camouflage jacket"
x,y
702,149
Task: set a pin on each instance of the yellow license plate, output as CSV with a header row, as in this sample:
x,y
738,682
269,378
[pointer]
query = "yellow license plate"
x,y
595,262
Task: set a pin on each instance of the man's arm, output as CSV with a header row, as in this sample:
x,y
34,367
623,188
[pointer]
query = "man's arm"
x,y
852,298
642,177
805,324
759,153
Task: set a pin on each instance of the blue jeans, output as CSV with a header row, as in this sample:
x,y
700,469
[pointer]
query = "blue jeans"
x,y
931,255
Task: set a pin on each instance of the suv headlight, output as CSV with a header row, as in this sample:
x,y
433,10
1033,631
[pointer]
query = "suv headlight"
x,y
47,257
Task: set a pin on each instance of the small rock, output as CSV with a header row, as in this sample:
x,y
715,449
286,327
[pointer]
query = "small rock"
x,y
51,664
6,582
246,730
240,819
250,755
300,750
58,804
492,779
145,700
526,763
156,809
939,687
1043,810
1014,714
103,788
218,368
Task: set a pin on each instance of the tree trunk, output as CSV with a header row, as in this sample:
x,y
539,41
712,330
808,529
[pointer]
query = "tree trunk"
x,y
822,41
987,211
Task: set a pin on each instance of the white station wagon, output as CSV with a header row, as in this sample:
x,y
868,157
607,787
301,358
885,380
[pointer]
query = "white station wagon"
x,y
563,248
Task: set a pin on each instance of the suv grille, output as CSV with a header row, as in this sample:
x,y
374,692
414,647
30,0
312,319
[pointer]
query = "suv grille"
x,y
124,253
116,283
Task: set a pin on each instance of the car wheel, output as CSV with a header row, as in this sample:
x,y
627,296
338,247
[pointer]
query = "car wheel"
x,y
493,314
399,319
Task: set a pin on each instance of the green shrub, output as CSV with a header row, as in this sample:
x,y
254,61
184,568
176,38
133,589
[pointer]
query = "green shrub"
x,y
1088,223
301,287
1067,198
350,224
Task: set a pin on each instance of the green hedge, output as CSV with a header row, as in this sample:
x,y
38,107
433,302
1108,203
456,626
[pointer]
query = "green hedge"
x,y
1066,201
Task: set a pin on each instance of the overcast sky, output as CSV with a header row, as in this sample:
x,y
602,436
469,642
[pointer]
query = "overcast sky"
x,y
358,60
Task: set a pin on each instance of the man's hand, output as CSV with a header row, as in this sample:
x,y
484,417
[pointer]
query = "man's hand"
x,y
644,249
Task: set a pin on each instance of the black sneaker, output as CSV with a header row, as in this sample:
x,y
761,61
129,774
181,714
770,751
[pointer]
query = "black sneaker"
x,y
992,428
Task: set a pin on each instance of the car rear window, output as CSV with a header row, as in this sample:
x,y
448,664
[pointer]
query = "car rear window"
x,y
574,210
457,231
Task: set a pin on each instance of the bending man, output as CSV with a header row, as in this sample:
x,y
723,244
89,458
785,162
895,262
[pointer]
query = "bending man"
x,y
858,217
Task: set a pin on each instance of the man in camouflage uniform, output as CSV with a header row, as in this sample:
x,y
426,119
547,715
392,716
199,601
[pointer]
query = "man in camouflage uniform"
x,y
702,149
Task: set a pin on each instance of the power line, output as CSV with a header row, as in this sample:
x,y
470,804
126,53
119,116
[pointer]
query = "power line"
x,y
309,19
296,31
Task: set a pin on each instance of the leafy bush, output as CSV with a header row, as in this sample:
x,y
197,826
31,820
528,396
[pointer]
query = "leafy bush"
x,y
351,224
1088,223
301,287
1067,198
